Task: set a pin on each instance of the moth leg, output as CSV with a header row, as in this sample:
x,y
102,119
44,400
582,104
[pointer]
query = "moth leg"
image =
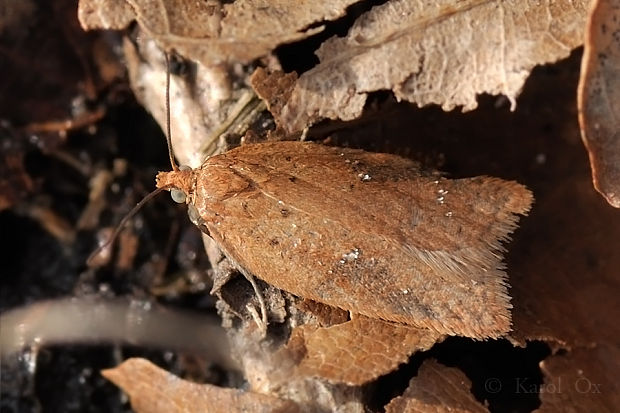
x,y
222,274
304,134
262,326
261,322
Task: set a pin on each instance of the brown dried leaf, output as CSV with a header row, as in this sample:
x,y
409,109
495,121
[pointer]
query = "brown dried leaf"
x,y
586,379
154,390
359,350
436,389
444,53
210,33
274,88
599,97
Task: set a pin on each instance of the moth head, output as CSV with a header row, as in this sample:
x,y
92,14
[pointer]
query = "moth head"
x,y
179,182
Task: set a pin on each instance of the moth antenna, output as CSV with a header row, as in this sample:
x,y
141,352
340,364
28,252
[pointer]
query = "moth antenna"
x,y
123,222
152,194
175,167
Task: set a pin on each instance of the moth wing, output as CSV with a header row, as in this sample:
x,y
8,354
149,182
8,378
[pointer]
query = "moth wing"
x,y
367,232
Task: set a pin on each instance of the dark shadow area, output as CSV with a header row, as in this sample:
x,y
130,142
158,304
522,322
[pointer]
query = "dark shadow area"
x,y
504,377
300,57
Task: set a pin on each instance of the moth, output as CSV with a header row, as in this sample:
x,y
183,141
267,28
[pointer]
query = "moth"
x,y
370,233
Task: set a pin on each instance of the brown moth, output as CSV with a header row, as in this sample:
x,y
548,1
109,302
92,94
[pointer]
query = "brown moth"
x,y
366,232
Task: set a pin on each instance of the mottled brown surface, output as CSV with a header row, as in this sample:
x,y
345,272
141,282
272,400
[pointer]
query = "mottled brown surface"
x,y
274,88
359,350
599,97
365,232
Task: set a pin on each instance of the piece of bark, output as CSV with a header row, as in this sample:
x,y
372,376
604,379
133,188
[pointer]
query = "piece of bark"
x,y
599,97
445,53
437,389
153,390
359,350
582,380
212,33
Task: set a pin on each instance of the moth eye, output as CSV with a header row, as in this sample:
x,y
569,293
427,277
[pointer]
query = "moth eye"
x,y
185,168
178,196
194,216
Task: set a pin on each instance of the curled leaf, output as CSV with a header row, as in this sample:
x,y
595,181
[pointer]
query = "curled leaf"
x,y
443,53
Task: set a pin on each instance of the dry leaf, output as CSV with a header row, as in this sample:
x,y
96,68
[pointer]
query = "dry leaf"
x,y
599,97
210,33
585,379
444,53
437,389
154,390
274,88
359,350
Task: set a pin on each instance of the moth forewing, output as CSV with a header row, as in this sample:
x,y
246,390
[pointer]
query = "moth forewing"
x,y
365,232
